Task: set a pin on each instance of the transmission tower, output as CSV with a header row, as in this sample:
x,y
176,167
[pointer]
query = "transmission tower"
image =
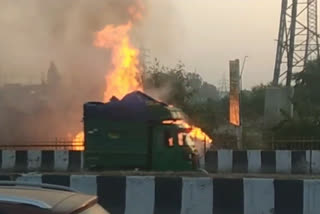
x,y
298,39
222,86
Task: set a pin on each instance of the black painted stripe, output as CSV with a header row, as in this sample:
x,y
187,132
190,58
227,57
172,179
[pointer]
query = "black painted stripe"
x,y
47,160
268,161
1,159
168,193
6,178
228,196
21,161
288,196
74,160
63,180
111,191
239,161
299,162
211,160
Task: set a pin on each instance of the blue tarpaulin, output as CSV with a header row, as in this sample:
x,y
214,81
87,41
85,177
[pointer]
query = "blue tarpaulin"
x,y
134,106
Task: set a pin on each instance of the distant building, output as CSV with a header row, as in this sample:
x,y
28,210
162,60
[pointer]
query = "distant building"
x,y
53,76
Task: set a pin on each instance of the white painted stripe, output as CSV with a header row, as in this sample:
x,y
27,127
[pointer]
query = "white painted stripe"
x,y
283,161
254,160
224,160
258,196
315,162
197,196
311,197
34,159
140,194
61,160
8,159
35,179
84,183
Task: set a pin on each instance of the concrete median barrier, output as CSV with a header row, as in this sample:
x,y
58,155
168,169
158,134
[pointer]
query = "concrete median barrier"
x,y
191,195
257,161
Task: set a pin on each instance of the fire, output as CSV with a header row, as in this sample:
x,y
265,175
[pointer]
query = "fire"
x,y
195,132
124,75
77,142
198,134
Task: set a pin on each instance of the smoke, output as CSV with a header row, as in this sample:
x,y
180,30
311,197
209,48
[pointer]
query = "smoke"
x,y
162,94
36,32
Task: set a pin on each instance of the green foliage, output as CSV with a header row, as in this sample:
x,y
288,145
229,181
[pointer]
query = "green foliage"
x,y
175,80
252,102
198,99
306,101
297,128
185,90
307,96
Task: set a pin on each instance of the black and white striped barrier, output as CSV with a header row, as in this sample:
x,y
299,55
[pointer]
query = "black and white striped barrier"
x,y
256,161
192,195
32,160
249,161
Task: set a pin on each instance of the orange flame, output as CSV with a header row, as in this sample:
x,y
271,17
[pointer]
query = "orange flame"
x,y
124,75
77,142
196,133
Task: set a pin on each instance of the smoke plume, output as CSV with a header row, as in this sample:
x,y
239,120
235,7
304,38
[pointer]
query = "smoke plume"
x,y
37,32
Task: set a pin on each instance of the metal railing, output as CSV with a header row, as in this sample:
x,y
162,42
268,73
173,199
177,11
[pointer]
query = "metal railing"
x,y
296,144
41,145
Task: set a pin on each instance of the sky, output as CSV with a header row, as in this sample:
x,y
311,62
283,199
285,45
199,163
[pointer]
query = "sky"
x,y
209,33
203,34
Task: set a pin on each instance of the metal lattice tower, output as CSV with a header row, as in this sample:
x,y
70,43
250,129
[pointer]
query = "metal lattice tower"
x,y
298,39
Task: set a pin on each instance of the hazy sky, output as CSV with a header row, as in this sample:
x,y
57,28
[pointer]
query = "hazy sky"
x,y
204,34
208,33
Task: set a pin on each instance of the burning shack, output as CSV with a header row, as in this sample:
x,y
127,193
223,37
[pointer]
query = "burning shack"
x,y
137,132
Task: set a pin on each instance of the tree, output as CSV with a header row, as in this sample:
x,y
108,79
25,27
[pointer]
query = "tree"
x,y
172,85
183,89
306,101
307,96
208,91
252,102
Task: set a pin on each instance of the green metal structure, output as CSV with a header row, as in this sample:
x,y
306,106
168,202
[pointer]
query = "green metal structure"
x,y
131,133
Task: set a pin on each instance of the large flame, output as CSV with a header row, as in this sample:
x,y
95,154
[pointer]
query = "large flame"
x,y
123,76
